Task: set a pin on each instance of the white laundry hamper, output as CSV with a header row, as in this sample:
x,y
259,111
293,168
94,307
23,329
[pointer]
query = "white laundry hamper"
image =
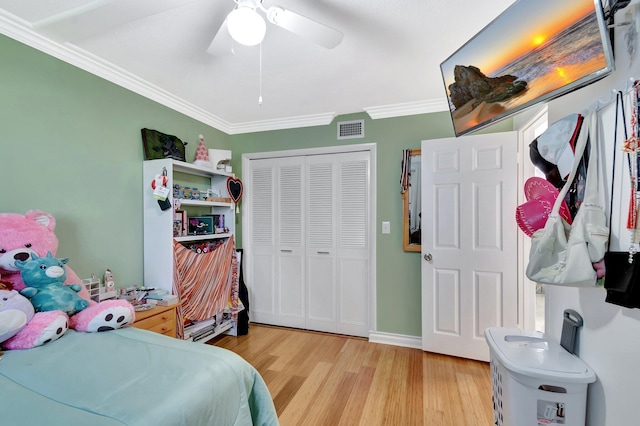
x,y
535,380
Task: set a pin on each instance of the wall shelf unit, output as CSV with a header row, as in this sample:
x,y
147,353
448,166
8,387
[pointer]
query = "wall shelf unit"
x,y
158,223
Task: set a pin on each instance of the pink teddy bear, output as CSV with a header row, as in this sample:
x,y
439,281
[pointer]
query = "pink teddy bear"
x,y
21,235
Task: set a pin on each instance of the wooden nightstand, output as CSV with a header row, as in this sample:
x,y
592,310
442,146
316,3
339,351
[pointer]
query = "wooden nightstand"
x,y
159,319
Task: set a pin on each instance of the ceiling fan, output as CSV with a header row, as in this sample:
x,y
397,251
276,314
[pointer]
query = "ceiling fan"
x,y
101,15
247,26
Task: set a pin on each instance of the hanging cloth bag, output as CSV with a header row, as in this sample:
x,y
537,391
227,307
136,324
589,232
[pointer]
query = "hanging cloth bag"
x,y
563,254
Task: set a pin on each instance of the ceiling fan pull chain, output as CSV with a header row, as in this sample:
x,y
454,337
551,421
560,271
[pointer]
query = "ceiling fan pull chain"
x,y
260,77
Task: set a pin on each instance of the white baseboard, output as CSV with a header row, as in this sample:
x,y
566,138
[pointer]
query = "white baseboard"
x,y
395,339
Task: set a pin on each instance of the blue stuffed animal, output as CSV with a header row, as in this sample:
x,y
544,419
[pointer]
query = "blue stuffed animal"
x,y
44,278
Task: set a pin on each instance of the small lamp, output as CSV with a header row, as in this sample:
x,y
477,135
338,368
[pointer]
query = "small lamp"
x,y
246,26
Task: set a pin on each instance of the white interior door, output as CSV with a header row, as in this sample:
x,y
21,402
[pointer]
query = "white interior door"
x,y
290,244
337,243
469,242
353,244
262,240
321,243
277,255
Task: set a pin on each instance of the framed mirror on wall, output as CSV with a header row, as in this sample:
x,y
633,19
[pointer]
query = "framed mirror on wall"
x,y
412,202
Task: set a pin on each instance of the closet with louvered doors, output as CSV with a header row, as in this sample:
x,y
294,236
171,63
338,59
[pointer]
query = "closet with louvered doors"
x,y
309,249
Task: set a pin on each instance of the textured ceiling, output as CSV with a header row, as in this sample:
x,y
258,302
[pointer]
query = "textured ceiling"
x,y
389,57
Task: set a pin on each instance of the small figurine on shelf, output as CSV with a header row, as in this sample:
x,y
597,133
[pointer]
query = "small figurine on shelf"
x,y
109,284
178,192
186,193
202,155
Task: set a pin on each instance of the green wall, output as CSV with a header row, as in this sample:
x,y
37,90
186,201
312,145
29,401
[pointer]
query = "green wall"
x,y
70,145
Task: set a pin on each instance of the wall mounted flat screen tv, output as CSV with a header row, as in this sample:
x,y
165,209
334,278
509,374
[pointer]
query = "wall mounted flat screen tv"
x,y
534,51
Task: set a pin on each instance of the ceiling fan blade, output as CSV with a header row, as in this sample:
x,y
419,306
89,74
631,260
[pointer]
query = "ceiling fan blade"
x,y
305,27
222,43
99,16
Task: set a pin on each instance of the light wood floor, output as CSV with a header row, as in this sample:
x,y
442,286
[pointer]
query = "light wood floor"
x,y
325,379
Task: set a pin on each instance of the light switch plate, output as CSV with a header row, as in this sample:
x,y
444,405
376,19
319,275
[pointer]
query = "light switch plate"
x,y
386,227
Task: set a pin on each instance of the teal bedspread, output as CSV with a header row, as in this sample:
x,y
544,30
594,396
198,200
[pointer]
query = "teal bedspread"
x,y
130,377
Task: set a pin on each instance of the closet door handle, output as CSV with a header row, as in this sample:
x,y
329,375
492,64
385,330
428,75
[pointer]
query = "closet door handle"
x,y
323,252
286,251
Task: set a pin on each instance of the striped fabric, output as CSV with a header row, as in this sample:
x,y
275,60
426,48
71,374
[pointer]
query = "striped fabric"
x,y
234,302
204,282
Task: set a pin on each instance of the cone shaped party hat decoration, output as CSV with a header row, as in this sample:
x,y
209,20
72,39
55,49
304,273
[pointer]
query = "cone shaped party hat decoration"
x,y
202,155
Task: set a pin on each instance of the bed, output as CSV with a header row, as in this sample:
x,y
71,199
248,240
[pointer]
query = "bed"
x,y
130,377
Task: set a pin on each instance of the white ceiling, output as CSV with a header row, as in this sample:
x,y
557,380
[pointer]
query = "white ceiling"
x,y
387,64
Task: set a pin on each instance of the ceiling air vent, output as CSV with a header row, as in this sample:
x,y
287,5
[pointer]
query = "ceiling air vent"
x,y
351,129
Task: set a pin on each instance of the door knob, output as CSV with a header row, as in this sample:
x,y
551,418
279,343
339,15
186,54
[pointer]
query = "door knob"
x,y
428,257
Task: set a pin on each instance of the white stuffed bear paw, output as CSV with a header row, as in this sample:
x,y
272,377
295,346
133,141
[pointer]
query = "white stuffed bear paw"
x,y
104,316
43,328
55,330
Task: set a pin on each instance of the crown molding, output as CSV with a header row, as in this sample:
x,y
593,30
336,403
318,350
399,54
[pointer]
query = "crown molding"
x,y
409,108
21,30
284,123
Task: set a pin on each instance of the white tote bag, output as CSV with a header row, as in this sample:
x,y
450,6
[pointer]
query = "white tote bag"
x,y
563,254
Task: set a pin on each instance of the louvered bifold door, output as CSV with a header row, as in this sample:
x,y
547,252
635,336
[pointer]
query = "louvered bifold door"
x,y
309,236
260,265
353,246
338,243
321,242
290,247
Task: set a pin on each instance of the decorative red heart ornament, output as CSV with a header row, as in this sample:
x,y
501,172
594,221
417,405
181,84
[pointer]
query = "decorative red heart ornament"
x,y
235,188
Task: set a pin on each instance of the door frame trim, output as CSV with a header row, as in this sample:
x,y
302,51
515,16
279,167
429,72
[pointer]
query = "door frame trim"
x,y
526,169
371,148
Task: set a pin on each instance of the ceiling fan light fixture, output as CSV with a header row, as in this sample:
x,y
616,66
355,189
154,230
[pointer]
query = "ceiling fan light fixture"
x,y
246,26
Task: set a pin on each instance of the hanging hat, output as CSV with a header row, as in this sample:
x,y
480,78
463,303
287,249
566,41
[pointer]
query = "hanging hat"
x,y
557,143
541,195
202,154
551,172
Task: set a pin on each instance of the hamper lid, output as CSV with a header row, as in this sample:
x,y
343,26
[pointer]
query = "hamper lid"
x,y
534,354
